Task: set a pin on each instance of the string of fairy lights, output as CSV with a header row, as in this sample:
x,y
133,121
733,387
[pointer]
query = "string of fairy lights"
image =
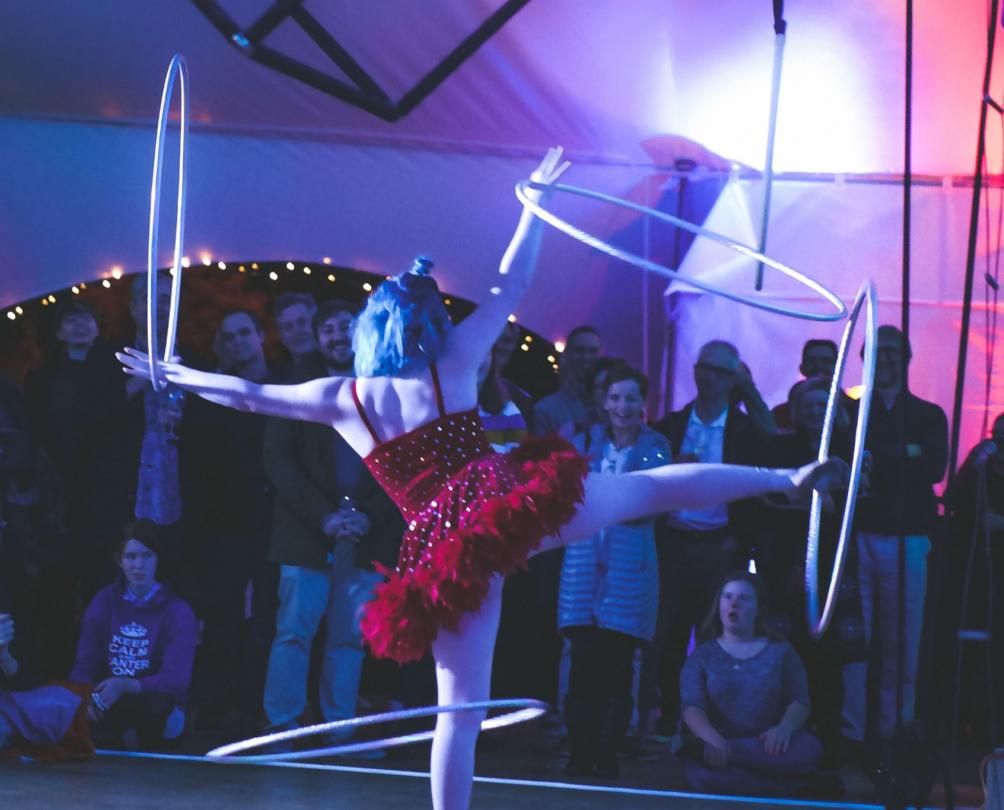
x,y
276,272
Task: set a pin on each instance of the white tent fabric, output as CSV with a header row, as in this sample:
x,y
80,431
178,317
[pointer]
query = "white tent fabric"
x,y
841,233
280,170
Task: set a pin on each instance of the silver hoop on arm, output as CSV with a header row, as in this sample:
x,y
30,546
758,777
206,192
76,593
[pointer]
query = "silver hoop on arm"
x,y
176,69
840,309
867,299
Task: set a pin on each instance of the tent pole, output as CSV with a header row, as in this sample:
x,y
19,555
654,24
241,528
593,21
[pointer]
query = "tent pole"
x,y
974,219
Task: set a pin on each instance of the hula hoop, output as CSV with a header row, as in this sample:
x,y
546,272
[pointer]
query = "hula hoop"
x,y
818,623
640,261
525,709
177,68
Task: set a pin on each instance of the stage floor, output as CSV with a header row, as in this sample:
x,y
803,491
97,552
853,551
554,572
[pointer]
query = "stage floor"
x,y
153,782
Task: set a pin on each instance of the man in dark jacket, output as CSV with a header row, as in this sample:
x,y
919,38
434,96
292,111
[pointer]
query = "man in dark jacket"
x,y
699,547
76,406
331,522
908,441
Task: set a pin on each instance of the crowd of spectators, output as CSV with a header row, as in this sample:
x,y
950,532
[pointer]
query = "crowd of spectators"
x,y
183,565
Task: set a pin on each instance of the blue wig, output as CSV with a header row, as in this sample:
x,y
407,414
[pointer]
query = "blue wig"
x,y
404,325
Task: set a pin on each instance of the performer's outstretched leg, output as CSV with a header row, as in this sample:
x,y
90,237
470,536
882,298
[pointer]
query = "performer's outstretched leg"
x,y
463,675
611,499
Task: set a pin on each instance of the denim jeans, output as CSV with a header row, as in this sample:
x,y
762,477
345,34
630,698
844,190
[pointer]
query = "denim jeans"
x,y
878,567
305,596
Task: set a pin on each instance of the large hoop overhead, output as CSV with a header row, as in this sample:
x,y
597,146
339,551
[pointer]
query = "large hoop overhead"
x,y
177,68
523,709
866,297
639,261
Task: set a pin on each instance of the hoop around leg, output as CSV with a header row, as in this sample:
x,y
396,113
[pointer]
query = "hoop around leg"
x,y
524,709
177,68
639,261
866,297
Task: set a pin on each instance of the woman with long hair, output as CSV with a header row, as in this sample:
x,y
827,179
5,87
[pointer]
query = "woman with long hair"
x,y
473,515
745,698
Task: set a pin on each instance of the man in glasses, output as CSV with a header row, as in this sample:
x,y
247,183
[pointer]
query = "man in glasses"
x,y
698,547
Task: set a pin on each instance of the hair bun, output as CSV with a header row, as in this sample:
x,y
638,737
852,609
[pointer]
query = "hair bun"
x,y
422,266
418,280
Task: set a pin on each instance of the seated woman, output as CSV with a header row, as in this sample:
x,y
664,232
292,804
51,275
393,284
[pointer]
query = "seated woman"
x,y
136,650
746,698
609,590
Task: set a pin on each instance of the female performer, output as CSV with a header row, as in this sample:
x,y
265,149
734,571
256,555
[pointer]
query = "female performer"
x,y
473,515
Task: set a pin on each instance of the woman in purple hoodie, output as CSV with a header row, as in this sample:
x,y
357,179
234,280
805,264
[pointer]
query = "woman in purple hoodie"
x,y
137,647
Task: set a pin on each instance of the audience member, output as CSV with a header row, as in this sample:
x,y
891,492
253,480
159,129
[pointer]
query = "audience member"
x,y
819,359
698,547
908,441
506,410
745,697
524,656
77,407
975,576
233,506
573,403
163,449
35,569
610,586
136,650
294,313
332,522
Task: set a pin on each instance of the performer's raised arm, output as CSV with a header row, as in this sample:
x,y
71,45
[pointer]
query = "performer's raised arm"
x,y
313,401
473,338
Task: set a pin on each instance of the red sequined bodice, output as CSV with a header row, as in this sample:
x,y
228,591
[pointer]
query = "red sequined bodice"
x,y
414,467
471,514
439,475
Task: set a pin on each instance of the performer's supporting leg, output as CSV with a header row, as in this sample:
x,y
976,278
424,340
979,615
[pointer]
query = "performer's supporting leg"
x,y
463,675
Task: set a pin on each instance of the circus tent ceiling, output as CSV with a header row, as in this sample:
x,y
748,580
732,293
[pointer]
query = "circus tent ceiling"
x,y
279,169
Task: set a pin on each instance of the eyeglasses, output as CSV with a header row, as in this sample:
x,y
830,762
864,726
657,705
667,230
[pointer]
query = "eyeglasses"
x,y
716,371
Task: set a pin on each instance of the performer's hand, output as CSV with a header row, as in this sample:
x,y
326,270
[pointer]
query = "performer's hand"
x,y
548,172
776,740
822,475
137,364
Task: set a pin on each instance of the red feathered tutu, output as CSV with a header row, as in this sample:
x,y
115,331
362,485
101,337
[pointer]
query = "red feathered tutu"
x,y
472,513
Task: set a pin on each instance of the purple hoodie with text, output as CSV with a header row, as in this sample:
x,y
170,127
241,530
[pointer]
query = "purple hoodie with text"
x,y
151,640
